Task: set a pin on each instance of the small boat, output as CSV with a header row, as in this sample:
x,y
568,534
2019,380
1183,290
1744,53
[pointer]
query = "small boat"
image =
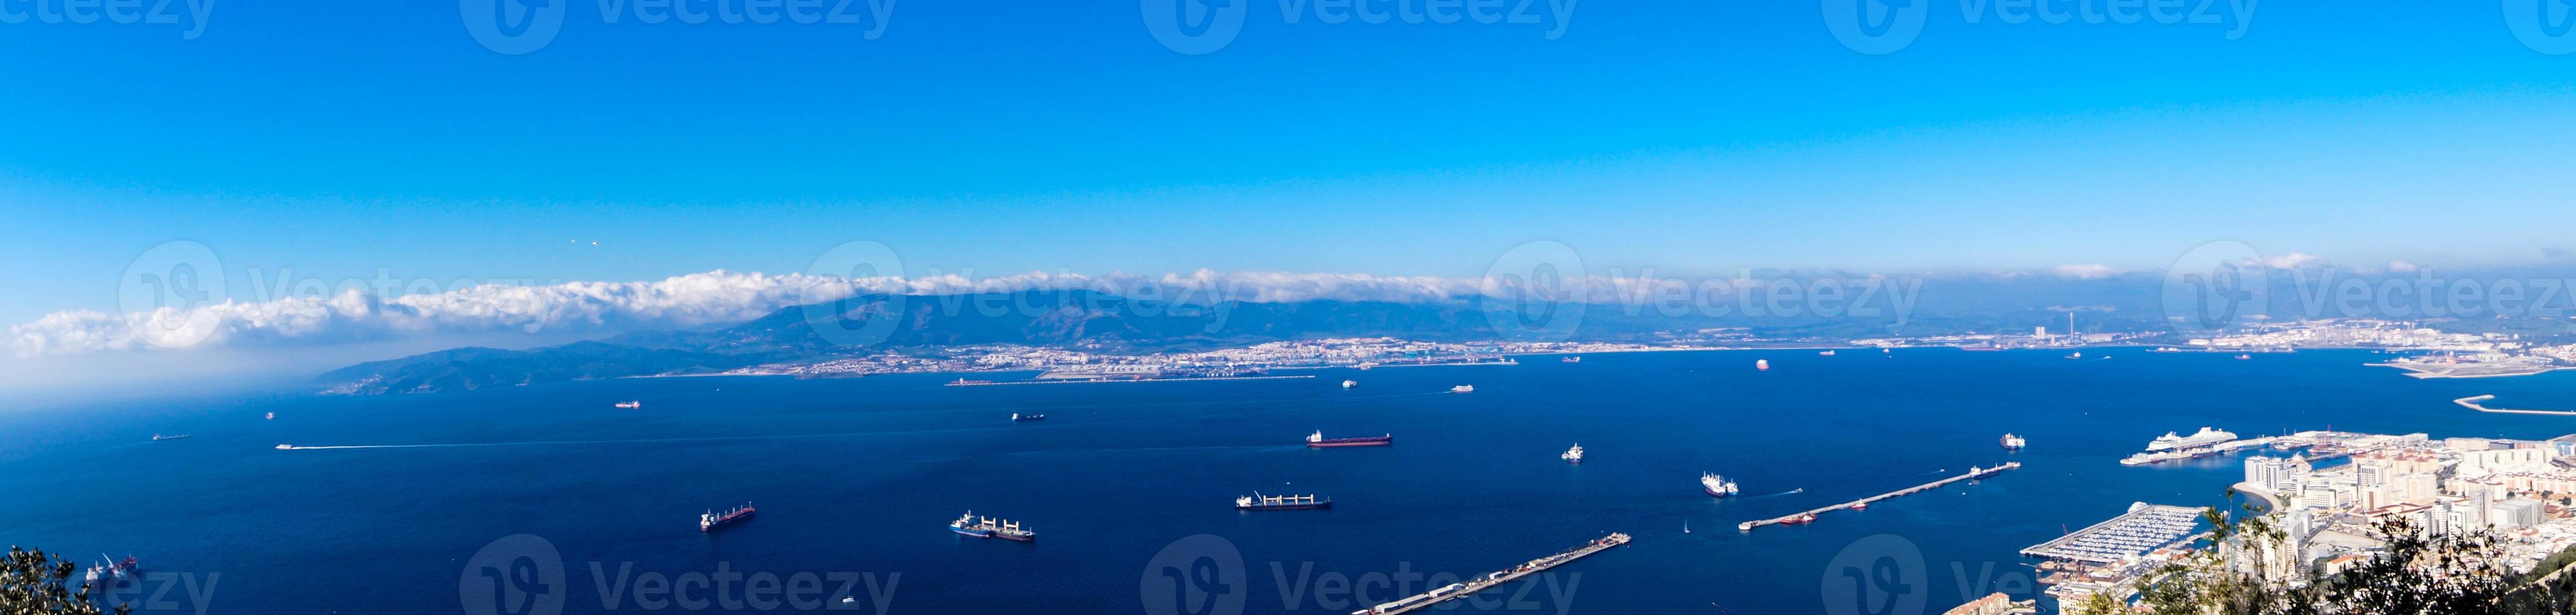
x,y
1023,418
1800,519
969,526
2244,357
1571,360
1350,383
2012,442
1685,526
158,437
1573,455
1798,490
272,416
2078,355
285,447
1860,506
630,405
1463,388
1762,364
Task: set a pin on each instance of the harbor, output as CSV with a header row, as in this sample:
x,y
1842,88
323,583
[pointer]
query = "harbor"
x,y
961,382
1494,579
1974,473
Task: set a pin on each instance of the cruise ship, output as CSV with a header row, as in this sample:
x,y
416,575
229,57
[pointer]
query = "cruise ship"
x,y
1317,440
1463,388
709,521
2205,437
2013,442
1257,501
1573,455
1716,485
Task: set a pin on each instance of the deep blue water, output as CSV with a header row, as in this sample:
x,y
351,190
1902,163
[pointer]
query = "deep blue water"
x,y
861,475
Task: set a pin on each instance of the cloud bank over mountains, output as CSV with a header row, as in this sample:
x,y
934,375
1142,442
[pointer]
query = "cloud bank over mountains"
x,y
355,313
326,314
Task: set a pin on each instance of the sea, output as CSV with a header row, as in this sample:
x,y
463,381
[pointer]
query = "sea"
x,y
548,499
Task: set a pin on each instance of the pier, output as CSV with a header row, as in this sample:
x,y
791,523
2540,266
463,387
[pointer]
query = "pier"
x,y
1492,580
1810,515
2475,403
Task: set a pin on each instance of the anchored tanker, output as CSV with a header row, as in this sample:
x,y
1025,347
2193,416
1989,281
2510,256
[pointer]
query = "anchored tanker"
x,y
1258,501
710,521
1317,440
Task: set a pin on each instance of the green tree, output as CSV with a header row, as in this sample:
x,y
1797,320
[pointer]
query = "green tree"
x,y
33,583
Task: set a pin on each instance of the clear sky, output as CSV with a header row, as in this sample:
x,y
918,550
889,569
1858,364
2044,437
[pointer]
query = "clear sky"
x,y
339,138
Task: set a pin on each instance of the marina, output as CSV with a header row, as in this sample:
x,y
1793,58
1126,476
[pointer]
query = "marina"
x,y
2145,527
1494,579
1809,516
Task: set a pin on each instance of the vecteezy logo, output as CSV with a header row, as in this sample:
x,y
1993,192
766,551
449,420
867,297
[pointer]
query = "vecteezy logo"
x,y
1195,27
1198,575
2543,25
163,290
2216,285
1878,575
1535,292
858,320
1876,27
521,574
513,27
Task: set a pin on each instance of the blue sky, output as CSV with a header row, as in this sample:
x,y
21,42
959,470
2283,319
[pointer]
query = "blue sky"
x,y
340,138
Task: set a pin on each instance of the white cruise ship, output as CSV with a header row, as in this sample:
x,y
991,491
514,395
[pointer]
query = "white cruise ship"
x,y
2204,437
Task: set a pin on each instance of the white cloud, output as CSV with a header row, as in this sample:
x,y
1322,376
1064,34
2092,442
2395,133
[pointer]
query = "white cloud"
x,y
2087,271
2294,260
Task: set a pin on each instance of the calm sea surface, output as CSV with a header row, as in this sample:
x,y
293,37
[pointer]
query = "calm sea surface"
x,y
858,477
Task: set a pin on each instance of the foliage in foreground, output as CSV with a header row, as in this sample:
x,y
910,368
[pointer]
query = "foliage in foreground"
x,y
34,583
2417,574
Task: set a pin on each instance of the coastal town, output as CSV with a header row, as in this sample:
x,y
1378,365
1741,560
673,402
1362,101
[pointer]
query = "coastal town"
x,y
2331,495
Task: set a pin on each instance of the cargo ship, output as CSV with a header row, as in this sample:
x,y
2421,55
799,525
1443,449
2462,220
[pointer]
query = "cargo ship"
x,y
965,382
1257,501
630,405
1716,486
1023,418
2013,442
709,521
158,437
1573,455
1317,440
986,527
